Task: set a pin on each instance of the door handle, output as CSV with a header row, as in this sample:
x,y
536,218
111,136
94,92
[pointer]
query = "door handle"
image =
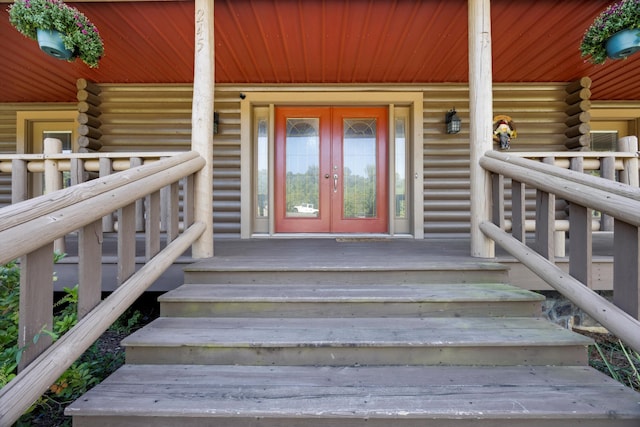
x,y
335,182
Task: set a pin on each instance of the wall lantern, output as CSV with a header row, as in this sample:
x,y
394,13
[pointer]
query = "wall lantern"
x,y
453,121
216,122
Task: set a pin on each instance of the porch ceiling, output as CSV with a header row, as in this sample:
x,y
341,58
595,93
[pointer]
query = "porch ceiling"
x,y
316,42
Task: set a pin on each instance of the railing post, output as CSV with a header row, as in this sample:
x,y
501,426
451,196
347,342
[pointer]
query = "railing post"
x,y
630,174
545,220
607,171
580,243
480,126
133,163
518,211
106,169
626,270
89,267
497,182
202,122
126,242
36,303
152,226
53,177
19,181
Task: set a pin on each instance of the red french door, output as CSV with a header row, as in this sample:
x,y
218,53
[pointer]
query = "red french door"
x,y
331,170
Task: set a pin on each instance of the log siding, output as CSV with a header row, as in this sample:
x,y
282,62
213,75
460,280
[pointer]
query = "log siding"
x,y
158,118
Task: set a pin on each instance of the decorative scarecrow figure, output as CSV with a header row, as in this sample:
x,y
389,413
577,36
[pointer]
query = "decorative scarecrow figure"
x,y
503,131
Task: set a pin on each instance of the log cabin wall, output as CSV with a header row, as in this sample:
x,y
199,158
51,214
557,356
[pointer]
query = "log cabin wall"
x,y
158,118
538,112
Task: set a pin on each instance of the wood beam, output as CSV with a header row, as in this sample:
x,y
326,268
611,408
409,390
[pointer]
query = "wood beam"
x,y
481,118
202,123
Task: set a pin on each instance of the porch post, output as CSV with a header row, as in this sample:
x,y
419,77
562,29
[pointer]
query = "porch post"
x,y
202,123
480,127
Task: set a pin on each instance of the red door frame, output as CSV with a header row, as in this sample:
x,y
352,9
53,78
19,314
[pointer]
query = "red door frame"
x,y
329,219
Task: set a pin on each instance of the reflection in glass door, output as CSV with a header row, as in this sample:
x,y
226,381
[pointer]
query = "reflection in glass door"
x,y
331,170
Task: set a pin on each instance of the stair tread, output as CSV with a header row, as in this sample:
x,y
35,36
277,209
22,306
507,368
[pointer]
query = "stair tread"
x,y
383,392
348,332
353,293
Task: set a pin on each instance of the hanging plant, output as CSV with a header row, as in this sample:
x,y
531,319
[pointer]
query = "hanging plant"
x,y
620,16
79,36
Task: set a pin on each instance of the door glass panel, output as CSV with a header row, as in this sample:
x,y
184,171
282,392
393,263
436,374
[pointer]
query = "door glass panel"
x,y
359,168
400,166
262,160
302,160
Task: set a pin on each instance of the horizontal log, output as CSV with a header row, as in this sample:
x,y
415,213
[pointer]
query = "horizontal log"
x,y
86,119
91,132
576,119
577,130
578,107
89,143
576,86
578,141
91,87
85,107
581,95
585,185
83,95
41,206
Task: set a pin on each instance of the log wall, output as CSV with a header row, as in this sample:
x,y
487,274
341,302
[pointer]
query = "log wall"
x,y
158,118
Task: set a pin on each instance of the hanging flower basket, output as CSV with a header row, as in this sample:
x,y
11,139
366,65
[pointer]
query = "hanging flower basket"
x,y
619,23
51,43
623,44
79,35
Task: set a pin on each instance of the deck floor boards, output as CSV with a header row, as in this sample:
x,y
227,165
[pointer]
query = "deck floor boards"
x,y
515,394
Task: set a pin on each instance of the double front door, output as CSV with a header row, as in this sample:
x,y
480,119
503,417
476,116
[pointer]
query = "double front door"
x,y
331,170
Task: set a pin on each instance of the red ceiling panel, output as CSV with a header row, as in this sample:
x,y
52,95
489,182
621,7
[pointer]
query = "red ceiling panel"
x,y
323,41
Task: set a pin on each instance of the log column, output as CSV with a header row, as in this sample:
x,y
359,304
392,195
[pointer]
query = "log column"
x,y
89,116
480,131
202,123
578,116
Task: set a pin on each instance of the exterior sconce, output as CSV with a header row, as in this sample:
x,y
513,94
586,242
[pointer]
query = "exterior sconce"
x,y
453,121
216,122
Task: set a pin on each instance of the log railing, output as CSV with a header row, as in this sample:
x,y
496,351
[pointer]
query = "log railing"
x,y
585,194
57,170
28,230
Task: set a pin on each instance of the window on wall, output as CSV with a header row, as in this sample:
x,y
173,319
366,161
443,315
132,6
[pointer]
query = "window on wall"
x,y
604,140
261,207
401,167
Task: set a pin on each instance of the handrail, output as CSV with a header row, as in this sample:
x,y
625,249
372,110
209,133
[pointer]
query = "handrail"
x,y
578,177
578,191
584,194
22,212
606,313
36,378
33,225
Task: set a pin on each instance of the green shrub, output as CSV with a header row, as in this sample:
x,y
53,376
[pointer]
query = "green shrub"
x,y
92,367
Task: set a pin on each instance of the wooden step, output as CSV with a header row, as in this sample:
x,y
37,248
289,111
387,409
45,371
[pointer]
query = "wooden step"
x,y
314,268
398,396
356,341
339,300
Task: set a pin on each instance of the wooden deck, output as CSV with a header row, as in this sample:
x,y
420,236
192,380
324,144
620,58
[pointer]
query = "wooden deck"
x,y
335,252
288,334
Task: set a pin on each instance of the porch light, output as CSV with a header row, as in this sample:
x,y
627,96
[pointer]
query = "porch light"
x,y
216,122
453,121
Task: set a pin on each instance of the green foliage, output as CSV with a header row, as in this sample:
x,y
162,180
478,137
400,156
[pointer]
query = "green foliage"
x,y
622,15
79,35
92,367
619,362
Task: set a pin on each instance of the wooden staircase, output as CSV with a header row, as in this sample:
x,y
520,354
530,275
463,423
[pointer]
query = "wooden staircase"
x,y
443,344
